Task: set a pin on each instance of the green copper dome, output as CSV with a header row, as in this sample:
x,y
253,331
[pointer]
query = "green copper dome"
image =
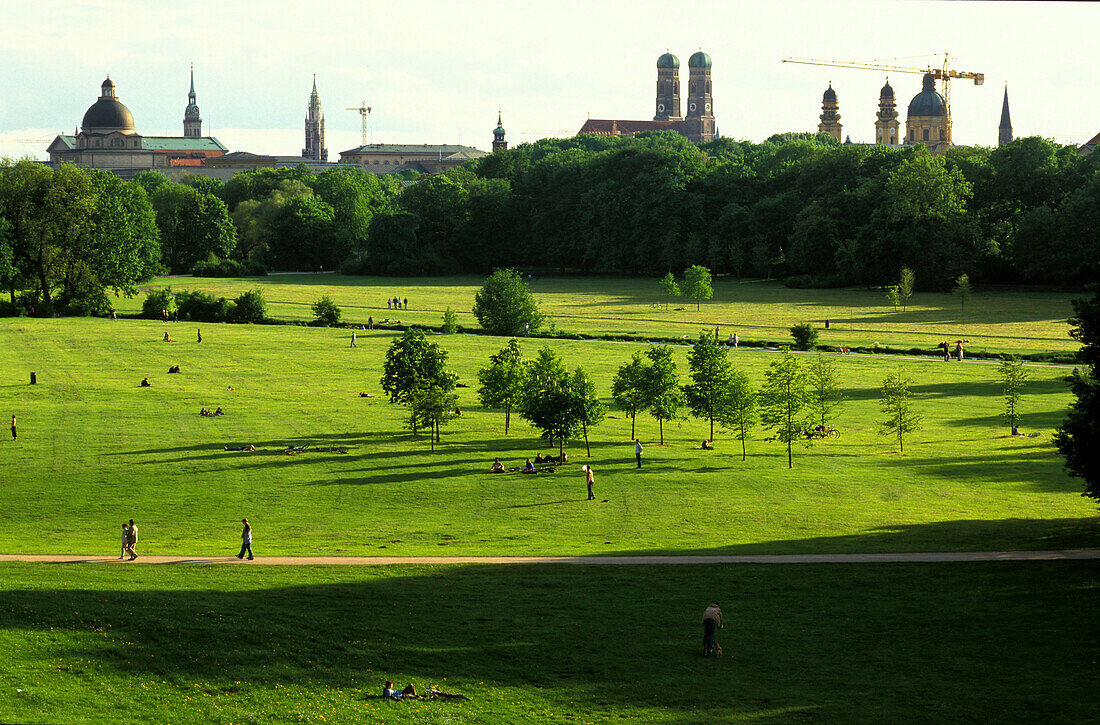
x,y
668,60
699,60
928,102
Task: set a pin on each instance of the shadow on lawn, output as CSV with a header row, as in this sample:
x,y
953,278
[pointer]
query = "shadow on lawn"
x,y
975,388
834,643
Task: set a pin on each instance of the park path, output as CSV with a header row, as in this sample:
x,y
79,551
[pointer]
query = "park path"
x,y
941,556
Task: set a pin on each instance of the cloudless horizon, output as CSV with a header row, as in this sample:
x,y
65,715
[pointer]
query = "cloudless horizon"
x,y
437,71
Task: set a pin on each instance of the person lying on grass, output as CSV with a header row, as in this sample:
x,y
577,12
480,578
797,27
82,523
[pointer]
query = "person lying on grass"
x,y
388,693
240,448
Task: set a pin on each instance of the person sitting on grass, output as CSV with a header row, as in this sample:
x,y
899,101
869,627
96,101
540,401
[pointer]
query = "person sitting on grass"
x,y
204,412
540,459
706,446
528,467
167,338
497,466
240,448
219,411
173,369
145,383
388,693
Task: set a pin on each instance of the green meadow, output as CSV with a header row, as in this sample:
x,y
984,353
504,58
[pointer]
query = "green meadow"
x,y
992,642
1011,320
96,449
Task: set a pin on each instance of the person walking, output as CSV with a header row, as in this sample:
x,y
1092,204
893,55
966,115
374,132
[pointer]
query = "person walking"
x,y
526,328
14,435
712,622
132,540
125,537
246,540
370,322
589,479
353,338
198,332
406,303
638,451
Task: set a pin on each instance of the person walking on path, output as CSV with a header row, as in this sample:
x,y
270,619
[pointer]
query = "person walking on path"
x,y
959,350
638,451
13,431
353,338
246,540
132,540
712,622
589,479
125,538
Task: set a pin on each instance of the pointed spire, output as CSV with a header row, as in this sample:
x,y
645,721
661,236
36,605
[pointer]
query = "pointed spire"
x,y
192,79
315,84
1006,120
499,122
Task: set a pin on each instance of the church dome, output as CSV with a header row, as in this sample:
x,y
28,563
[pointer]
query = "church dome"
x,y
829,95
928,102
108,113
498,131
668,60
699,59
887,91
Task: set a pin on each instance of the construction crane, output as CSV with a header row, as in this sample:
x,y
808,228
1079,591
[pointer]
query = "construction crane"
x,y
945,74
364,113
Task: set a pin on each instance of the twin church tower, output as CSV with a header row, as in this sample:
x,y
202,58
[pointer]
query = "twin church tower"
x,y
698,124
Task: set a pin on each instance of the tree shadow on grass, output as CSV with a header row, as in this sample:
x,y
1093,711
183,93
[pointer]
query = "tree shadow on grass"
x,y
834,643
973,388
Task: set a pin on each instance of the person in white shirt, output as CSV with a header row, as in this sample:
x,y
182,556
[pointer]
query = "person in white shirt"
x,y
246,540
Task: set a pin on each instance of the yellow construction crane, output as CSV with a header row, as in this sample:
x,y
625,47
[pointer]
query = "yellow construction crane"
x,y
364,112
944,74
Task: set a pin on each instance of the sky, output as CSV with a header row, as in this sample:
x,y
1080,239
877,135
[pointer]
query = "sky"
x,y
437,71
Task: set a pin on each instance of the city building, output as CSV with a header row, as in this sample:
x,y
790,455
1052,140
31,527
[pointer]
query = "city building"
x,y
699,125
315,128
928,122
108,139
830,115
886,125
383,158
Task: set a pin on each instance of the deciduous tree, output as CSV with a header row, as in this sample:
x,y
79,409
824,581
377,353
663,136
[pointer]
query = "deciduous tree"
x,y
1078,438
740,413
824,389
697,284
629,387
711,376
783,401
503,380
1013,377
897,406
411,362
662,395
504,304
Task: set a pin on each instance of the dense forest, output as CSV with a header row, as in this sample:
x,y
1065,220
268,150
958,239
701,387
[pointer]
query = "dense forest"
x,y
799,207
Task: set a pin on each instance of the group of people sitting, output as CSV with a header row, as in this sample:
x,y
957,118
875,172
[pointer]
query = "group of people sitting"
x,y
529,465
174,369
206,412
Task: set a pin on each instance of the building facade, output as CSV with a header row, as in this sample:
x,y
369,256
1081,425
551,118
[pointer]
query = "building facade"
x,y
668,88
928,121
886,123
315,128
382,158
830,114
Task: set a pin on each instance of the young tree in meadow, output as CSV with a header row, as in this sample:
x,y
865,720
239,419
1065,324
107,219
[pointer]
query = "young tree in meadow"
x,y
893,296
783,402
711,374
430,406
629,387
1078,438
413,362
963,290
663,395
906,285
588,409
697,284
502,381
504,304
739,412
669,288
897,406
1013,376
824,389
548,401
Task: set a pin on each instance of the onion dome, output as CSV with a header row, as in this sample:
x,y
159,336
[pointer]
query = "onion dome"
x,y
108,114
498,132
928,102
668,60
887,91
699,59
829,95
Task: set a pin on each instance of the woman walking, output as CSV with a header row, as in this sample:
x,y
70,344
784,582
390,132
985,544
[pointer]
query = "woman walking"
x,y
246,540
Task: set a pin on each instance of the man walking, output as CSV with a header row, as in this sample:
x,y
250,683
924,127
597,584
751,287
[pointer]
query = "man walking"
x,y
13,433
353,338
131,540
712,622
246,540
638,451
589,479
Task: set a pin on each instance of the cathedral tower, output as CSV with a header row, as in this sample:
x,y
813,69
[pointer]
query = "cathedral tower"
x,y
668,88
315,128
699,122
499,144
1004,131
830,117
928,121
886,127
192,121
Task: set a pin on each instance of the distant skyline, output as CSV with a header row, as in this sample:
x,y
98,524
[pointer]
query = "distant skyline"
x,y
436,71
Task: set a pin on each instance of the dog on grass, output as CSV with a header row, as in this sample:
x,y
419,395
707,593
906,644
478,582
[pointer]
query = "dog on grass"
x,y
717,650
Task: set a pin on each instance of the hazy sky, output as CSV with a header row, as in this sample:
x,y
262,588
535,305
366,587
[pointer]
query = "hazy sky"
x,y
435,71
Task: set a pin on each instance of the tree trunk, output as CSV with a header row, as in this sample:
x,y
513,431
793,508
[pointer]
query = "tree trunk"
x,y
437,431
561,450
901,445
507,418
790,460
633,415
587,449
712,428
431,439
742,442
661,423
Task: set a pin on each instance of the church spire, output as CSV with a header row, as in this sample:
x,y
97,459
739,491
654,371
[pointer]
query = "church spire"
x,y
1004,131
499,143
192,119
315,128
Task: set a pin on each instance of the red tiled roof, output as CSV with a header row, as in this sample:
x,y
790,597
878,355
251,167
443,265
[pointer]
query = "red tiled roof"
x,y
615,127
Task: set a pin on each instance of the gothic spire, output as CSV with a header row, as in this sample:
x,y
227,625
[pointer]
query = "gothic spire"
x,y
1004,131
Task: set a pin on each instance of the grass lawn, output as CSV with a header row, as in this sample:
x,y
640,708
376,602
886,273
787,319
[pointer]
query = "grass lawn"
x,y
884,643
95,449
996,321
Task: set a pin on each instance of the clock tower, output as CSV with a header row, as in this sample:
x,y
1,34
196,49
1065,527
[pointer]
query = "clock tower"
x,y
668,88
699,120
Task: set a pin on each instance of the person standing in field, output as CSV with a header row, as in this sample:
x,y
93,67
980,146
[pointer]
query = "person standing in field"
x,y
589,479
132,540
406,303
125,537
370,322
638,451
246,540
712,622
353,338
14,435
199,333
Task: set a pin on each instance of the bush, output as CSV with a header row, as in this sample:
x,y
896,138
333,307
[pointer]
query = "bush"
x,y
805,336
450,322
325,312
203,307
251,307
156,301
504,304
214,267
12,309
88,302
